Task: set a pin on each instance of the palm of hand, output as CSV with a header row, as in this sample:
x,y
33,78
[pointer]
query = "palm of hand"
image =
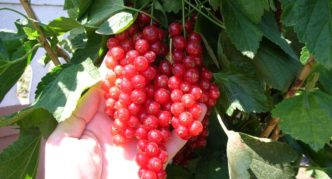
x,y
81,146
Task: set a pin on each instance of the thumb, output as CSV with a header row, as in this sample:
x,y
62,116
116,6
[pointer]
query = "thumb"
x,y
175,143
74,126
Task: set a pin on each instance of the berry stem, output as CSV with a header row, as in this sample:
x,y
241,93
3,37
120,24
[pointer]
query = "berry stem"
x,y
183,20
152,9
218,23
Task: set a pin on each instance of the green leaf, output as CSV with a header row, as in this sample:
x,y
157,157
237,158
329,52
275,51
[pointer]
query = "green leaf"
x,y
215,4
31,33
254,9
160,14
172,6
91,50
76,39
325,79
210,52
20,159
116,23
242,31
60,96
76,8
212,166
312,21
277,68
271,31
304,117
101,10
304,55
63,24
11,70
241,91
251,157
48,78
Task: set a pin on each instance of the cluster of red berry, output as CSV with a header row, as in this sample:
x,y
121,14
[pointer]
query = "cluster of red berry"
x,y
148,96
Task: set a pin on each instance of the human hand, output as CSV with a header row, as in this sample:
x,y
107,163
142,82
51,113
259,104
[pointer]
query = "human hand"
x,y
81,146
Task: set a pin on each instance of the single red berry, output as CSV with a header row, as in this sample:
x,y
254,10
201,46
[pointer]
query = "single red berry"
x,y
142,159
186,119
191,75
197,92
150,122
151,33
138,81
142,46
119,139
214,92
138,96
152,149
194,49
150,56
133,29
162,174
178,70
141,145
144,18
161,81
204,84
133,121
175,122
185,87
126,86
141,63
124,98
155,164
196,128
182,132
206,74
165,67
174,29
188,100
127,45
141,133
177,108
164,118
123,114
129,71
110,102
162,96
196,111
156,47
118,70
114,92
176,95
189,62
189,26
154,135
112,42
165,133
149,175
179,42
174,82
117,53
153,108
177,55
129,133
163,156
194,37
111,77
149,73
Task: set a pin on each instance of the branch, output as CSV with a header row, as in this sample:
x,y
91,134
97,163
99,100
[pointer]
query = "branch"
x,y
304,73
42,38
62,53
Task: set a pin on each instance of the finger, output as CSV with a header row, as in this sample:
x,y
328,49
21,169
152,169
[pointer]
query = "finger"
x,y
86,109
175,143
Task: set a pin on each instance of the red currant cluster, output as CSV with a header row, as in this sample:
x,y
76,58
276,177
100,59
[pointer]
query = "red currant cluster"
x,y
148,97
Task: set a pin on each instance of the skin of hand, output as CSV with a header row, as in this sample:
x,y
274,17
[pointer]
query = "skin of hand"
x,y
81,146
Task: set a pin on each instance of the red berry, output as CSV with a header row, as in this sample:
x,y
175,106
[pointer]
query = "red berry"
x,y
153,108
165,67
133,121
124,98
141,63
191,75
154,135
127,45
162,96
188,100
196,111
186,119
189,62
142,46
151,33
163,156
174,82
126,86
182,132
119,139
195,37
194,49
142,159
150,122
175,122
177,55
196,92
164,118
174,29
131,55
129,133
141,145
129,71
141,133
138,81
161,81
138,96
162,174
156,47
123,114
122,36
176,95
147,174
155,164
150,56
114,92
177,108
179,42
178,70
152,149
110,62
188,26
149,73
196,128
112,42
143,18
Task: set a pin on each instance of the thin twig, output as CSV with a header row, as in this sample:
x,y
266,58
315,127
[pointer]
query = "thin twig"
x,y
42,38
62,53
304,73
